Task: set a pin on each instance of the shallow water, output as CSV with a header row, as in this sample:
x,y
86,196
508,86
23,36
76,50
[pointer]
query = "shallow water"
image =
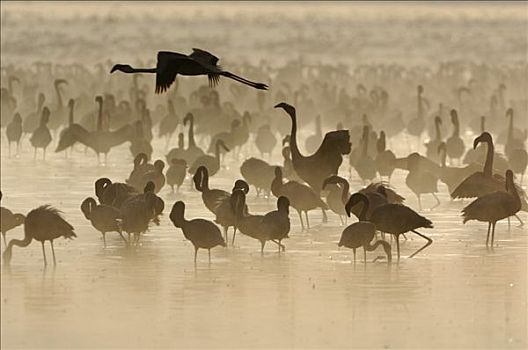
x,y
454,294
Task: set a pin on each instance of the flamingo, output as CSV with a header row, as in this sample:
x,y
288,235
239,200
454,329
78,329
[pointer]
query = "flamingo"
x,y
199,62
44,223
494,206
202,233
360,234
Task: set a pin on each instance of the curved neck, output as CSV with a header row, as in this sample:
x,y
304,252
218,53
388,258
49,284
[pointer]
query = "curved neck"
x,y
363,213
205,181
59,96
456,127
192,143
19,243
344,191
294,150
443,156
437,130
100,116
386,246
488,165
510,128
70,117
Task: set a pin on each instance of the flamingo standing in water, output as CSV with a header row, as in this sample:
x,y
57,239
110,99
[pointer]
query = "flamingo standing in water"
x,y
494,206
42,224
199,62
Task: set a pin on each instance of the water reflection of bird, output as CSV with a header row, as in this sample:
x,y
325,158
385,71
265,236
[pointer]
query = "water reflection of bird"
x,y
202,233
494,206
361,234
44,223
199,62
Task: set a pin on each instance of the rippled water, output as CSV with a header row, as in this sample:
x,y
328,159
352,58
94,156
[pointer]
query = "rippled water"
x,y
456,293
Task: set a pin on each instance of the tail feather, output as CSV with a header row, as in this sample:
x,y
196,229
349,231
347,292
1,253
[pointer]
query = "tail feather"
x,y
255,85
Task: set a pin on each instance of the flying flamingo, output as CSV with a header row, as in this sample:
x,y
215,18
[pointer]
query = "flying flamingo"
x,y
199,62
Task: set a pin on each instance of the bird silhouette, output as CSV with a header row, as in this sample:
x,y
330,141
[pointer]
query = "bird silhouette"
x,y
276,223
113,194
494,206
361,234
41,137
104,218
455,145
199,62
397,219
9,220
14,132
202,233
44,223
176,172
301,197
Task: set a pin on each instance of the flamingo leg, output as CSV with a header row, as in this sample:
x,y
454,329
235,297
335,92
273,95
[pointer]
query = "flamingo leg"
x,y
488,236
262,243
44,253
300,217
307,221
509,224
234,234
325,217
104,238
437,201
398,246
195,254
9,148
521,223
354,250
364,255
429,242
44,154
493,234
3,235
225,233
279,244
53,253
209,253
123,237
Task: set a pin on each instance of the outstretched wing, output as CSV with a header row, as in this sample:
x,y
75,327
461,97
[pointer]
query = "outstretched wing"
x,y
204,57
167,69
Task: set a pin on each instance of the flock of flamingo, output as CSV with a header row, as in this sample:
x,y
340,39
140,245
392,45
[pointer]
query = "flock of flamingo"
x,y
301,183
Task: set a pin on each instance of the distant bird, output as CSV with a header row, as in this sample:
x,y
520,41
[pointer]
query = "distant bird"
x,y
276,223
8,220
416,125
212,163
113,194
141,166
384,159
139,143
199,62
177,152
202,233
137,212
192,152
397,219
421,181
453,176
176,173
41,137
365,166
337,196
169,123
44,223
249,224
375,199
455,145
14,132
265,140
314,169
432,146
494,206
104,218
301,197
361,234
155,175
258,173
31,121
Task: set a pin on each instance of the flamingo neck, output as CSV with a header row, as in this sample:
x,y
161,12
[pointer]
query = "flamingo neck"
x,y
70,117
510,128
294,150
488,165
192,143
443,156
19,243
363,213
437,130
59,97
344,191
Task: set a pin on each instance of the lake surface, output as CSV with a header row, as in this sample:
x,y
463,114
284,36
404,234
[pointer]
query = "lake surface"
x,y
455,294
